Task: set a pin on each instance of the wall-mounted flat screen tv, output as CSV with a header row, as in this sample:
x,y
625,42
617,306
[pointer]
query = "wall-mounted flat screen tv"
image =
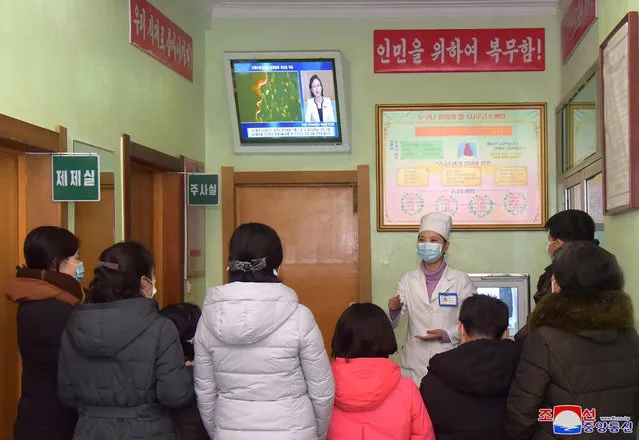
x,y
284,102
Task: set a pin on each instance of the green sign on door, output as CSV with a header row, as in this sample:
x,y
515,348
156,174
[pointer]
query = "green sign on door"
x,y
203,190
76,178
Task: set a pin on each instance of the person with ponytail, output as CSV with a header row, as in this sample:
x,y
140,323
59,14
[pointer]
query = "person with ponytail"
x,y
261,368
121,362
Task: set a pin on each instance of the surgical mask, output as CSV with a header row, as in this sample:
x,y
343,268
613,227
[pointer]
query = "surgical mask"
x,y
79,271
429,252
154,289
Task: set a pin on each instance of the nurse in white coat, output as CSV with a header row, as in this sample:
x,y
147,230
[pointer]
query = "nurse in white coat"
x,y
430,296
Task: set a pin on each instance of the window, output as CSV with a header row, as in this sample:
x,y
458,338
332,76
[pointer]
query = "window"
x,y
579,166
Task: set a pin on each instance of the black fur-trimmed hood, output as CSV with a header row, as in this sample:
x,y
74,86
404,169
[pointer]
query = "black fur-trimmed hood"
x,y
575,313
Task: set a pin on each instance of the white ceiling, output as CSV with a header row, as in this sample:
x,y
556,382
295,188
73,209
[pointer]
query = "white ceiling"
x,y
376,8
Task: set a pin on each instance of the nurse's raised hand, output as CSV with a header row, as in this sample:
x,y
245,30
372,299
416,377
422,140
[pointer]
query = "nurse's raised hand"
x,y
395,303
432,335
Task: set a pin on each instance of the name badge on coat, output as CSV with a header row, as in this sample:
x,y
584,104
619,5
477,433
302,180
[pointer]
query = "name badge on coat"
x,y
448,299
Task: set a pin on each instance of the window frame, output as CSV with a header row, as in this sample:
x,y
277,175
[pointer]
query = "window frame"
x,y
589,167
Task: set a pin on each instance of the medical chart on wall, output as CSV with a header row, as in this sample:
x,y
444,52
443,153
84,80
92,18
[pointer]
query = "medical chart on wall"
x,y
485,165
616,119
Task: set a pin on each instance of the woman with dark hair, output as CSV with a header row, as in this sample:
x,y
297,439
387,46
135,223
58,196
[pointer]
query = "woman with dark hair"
x,y
121,362
46,289
185,316
261,369
582,350
319,108
372,398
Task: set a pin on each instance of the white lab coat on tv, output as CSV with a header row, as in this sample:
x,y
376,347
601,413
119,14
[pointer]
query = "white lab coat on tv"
x,y
424,315
312,115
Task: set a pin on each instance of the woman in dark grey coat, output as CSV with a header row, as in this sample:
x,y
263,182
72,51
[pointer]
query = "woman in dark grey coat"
x,y
121,362
582,350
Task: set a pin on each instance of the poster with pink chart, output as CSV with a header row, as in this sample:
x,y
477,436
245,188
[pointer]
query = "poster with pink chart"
x,y
485,165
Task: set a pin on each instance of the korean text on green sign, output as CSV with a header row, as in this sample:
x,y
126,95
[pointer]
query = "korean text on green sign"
x,y
203,189
76,178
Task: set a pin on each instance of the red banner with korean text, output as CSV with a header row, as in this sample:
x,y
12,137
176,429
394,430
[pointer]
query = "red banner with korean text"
x,y
459,50
152,32
579,16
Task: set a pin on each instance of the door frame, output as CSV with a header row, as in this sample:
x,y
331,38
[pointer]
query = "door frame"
x,y
21,137
165,166
359,178
18,138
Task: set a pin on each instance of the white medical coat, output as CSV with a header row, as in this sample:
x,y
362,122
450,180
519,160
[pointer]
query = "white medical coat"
x,y
424,315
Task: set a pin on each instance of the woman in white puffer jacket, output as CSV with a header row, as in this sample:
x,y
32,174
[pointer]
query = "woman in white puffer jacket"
x,y
261,369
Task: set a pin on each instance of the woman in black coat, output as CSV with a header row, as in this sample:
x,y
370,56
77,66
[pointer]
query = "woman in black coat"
x,y
121,362
46,289
582,350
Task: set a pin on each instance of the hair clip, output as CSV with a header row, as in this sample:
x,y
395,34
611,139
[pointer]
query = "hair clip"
x,y
247,266
112,266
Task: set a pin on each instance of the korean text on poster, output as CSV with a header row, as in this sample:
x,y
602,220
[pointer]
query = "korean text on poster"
x,y
484,165
459,50
152,32
579,16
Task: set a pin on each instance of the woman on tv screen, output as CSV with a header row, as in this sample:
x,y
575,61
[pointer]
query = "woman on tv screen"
x,y
319,108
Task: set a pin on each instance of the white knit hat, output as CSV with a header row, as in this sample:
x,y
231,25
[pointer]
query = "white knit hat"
x,y
439,222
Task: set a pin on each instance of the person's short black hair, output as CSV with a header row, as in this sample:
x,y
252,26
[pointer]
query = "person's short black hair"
x,y
46,247
363,331
571,225
250,243
484,315
126,263
582,267
185,316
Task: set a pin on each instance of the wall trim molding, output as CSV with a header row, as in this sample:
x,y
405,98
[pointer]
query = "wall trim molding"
x,y
382,9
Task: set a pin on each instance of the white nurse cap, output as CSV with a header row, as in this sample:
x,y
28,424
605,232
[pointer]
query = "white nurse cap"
x,y
439,222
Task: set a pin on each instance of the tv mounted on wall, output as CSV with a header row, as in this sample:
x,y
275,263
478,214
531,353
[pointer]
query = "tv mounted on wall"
x,y
287,102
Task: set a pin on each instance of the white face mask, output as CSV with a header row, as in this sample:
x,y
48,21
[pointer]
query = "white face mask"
x,y
154,289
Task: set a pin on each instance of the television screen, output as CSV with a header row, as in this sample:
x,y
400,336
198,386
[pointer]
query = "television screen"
x,y
513,289
286,100
509,295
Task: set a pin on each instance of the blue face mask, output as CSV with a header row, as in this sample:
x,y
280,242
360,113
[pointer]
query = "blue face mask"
x,y
429,252
79,271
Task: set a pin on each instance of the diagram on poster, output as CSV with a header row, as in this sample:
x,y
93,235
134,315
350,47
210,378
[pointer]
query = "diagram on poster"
x,y
485,165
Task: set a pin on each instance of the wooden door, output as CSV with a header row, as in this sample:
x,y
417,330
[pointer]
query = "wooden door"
x,y
95,225
143,205
323,220
10,257
154,214
318,229
26,204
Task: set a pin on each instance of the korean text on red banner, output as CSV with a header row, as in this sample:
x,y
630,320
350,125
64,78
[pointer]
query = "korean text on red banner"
x,y
459,50
152,32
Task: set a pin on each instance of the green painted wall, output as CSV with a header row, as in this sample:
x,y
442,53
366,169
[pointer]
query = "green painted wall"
x,y
621,230
392,253
70,63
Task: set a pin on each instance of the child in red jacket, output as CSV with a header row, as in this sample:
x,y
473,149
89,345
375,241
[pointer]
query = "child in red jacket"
x,y
373,401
